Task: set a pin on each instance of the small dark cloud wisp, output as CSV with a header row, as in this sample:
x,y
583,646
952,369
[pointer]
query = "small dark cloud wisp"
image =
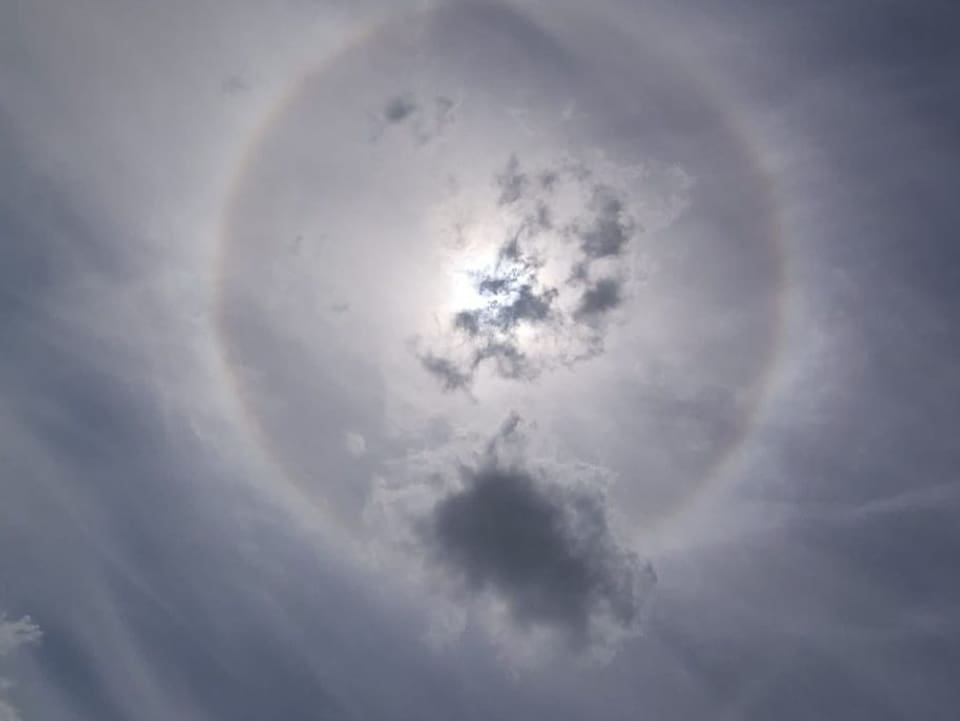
x,y
599,298
398,108
446,372
426,118
609,231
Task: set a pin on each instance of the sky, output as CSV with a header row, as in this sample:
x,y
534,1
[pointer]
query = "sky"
x,y
487,360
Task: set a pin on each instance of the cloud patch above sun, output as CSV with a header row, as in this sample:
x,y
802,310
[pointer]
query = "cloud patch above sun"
x,y
425,118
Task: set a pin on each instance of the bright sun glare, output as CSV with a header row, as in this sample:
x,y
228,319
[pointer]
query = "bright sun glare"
x,y
465,268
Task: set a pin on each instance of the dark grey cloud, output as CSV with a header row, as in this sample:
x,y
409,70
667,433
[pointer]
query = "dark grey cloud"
x,y
511,182
399,108
519,294
542,545
426,118
609,230
450,376
599,298
509,361
512,302
467,321
525,305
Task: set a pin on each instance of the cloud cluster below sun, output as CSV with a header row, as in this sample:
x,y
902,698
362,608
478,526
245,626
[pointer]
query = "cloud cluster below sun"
x,y
526,542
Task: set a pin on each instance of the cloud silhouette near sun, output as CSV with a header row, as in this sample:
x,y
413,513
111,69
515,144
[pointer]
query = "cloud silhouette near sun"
x,y
560,268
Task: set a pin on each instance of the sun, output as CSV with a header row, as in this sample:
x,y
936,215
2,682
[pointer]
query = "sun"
x,y
463,287
475,258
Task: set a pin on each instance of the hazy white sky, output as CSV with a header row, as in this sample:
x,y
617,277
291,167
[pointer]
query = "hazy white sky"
x,y
474,359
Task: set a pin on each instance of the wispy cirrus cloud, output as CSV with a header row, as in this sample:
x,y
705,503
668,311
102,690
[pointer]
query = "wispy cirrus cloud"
x,y
13,635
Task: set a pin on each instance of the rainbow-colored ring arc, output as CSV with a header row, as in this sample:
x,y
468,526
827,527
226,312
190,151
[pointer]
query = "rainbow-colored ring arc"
x,y
727,461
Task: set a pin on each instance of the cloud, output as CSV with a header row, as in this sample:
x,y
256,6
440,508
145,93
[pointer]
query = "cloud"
x,y
609,230
561,264
532,537
13,635
447,372
511,182
399,108
356,444
426,118
601,297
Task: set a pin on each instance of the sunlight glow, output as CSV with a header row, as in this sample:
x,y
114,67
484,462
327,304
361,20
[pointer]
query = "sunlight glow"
x,y
467,264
